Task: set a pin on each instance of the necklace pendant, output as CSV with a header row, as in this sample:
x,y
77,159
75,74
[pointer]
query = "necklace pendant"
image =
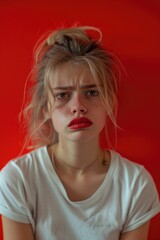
x,y
104,162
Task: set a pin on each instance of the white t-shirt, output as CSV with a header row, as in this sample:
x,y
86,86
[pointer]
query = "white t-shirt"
x,y
31,192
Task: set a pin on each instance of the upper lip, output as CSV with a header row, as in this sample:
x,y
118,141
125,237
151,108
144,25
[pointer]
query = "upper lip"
x,y
79,120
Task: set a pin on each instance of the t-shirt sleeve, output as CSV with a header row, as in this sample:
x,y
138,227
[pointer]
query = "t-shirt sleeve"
x,y
13,200
144,202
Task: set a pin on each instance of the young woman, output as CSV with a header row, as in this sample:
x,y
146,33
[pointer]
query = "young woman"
x,y
68,187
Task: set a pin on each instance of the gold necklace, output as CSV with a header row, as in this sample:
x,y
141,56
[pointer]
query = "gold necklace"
x,y
104,162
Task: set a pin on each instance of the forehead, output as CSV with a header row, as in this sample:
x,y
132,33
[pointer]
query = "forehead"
x,y
72,74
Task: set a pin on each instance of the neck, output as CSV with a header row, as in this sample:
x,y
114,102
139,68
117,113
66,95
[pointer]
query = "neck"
x,y
77,157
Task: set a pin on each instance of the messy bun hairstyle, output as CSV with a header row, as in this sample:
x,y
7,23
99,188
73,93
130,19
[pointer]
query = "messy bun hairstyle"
x,y
73,45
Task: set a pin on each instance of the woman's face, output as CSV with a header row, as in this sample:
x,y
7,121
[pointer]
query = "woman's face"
x,y
78,113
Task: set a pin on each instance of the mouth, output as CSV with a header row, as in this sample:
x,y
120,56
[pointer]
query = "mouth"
x,y
79,123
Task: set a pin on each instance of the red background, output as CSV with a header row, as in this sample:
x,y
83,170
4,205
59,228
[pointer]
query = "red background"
x,y
131,28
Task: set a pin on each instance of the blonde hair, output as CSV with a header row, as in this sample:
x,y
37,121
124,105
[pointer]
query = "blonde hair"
x,y
73,44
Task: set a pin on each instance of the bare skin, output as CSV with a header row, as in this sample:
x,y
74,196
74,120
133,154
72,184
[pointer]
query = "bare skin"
x,y
87,179
77,156
13,230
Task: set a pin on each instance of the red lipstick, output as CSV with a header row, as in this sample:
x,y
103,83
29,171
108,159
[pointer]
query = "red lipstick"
x,y
79,123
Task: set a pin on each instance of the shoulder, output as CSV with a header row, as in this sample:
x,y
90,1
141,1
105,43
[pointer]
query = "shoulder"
x,y
136,190
125,165
23,165
130,172
19,181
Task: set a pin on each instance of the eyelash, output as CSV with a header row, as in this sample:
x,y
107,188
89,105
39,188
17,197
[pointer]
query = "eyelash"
x,y
92,93
62,95
67,95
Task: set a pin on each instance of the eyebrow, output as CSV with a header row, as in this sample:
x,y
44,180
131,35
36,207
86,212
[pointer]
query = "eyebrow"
x,y
72,88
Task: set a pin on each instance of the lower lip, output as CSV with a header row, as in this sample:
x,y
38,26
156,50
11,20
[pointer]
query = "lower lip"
x,y
80,125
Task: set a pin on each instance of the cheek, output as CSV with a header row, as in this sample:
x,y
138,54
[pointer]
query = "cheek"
x,y
58,118
99,108
102,119
100,115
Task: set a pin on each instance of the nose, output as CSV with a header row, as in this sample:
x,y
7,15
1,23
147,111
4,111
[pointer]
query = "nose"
x,y
78,106
78,109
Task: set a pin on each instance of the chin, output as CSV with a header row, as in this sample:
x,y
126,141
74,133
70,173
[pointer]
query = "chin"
x,y
80,137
